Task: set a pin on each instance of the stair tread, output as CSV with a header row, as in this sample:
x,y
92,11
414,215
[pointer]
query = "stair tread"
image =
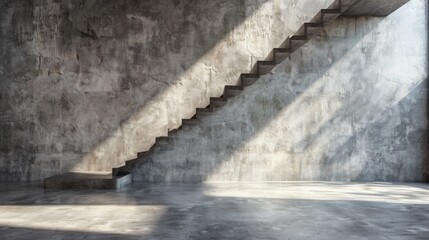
x,y
250,75
234,87
281,50
219,99
144,153
331,11
310,24
162,138
266,63
204,110
299,37
190,120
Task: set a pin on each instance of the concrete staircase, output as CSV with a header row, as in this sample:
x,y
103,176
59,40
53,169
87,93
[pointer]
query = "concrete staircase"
x,y
121,176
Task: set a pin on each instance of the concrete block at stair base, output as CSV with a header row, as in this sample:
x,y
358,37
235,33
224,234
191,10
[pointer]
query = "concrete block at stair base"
x,y
79,180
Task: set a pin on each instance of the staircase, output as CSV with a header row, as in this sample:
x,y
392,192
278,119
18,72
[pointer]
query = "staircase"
x,y
121,176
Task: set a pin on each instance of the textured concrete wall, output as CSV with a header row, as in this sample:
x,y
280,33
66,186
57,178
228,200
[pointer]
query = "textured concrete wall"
x,y
85,85
351,105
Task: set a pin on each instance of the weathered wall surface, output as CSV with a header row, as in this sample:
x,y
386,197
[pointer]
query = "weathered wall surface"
x,y
85,85
351,105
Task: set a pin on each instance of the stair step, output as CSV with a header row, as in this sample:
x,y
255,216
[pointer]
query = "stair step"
x,y
329,14
190,121
204,114
217,102
204,111
145,153
163,144
298,38
174,131
280,54
296,42
87,180
232,91
248,79
131,163
265,67
162,140
312,29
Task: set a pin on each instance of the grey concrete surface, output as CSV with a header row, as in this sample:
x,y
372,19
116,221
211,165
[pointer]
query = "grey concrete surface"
x,y
85,85
350,105
294,210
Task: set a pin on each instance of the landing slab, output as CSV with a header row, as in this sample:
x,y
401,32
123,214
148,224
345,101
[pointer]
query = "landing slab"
x,y
87,180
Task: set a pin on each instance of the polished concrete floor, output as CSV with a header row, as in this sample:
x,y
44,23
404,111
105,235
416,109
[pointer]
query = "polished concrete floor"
x,y
293,210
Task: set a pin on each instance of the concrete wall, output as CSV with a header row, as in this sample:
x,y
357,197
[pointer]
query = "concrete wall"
x,y
85,85
351,105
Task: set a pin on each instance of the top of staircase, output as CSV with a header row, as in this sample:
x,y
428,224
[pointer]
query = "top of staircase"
x,y
377,8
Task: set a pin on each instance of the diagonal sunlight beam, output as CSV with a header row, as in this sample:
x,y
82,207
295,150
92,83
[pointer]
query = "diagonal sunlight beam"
x,y
319,191
138,219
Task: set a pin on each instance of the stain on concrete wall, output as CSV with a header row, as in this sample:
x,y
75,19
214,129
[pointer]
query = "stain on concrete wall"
x,y
351,105
85,85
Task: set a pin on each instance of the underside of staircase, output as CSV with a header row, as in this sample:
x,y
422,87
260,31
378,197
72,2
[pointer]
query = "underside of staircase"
x,y
120,177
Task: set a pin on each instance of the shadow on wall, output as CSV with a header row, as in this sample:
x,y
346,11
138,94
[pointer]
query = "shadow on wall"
x,y
80,81
347,108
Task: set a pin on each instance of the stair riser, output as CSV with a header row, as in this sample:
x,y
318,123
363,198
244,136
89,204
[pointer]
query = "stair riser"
x,y
144,154
327,18
164,141
280,57
173,132
248,81
204,114
265,69
314,31
217,104
295,44
190,122
205,110
163,148
232,93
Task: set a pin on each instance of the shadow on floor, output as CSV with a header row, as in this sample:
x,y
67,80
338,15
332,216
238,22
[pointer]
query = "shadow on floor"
x,y
297,210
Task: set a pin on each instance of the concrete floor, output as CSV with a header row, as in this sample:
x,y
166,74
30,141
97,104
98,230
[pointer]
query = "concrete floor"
x,y
293,210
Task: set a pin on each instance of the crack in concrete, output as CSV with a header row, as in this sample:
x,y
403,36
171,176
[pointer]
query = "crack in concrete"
x,y
157,80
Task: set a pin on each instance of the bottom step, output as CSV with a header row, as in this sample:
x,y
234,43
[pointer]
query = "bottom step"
x,y
87,180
